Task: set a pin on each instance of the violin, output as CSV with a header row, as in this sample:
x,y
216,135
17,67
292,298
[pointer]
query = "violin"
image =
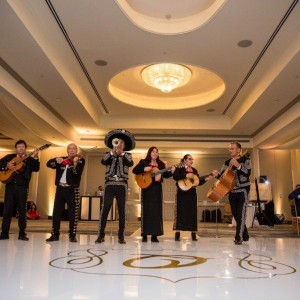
x,y
69,160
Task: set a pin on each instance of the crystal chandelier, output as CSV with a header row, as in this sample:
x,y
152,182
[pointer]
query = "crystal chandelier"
x,y
166,76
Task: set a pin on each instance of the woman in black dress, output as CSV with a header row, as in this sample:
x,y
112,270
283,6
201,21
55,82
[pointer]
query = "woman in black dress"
x,y
186,201
151,198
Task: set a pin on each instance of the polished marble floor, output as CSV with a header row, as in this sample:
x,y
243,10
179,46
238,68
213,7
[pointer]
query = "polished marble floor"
x,y
212,268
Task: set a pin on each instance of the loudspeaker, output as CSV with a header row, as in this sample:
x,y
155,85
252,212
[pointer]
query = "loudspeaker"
x,y
263,219
206,215
216,215
279,218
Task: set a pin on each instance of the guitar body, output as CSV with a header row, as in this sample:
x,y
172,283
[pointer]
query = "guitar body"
x,y
222,186
187,183
144,180
8,175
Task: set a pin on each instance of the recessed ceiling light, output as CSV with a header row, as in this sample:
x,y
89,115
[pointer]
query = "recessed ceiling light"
x,y
245,43
100,62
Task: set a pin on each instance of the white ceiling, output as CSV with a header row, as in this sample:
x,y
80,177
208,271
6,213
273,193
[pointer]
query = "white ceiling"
x,y
52,90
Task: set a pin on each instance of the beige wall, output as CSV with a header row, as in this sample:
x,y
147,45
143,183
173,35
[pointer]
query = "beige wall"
x,y
276,165
295,158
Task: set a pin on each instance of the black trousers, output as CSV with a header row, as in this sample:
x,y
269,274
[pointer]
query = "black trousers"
x,y
238,203
118,190
15,196
69,195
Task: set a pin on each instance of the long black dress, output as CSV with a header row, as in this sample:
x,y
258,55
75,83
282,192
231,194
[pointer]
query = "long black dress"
x,y
151,202
186,204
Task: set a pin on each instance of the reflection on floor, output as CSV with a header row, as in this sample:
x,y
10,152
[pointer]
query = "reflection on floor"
x,y
212,268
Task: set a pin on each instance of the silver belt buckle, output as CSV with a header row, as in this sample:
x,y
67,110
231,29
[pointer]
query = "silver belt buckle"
x,y
116,178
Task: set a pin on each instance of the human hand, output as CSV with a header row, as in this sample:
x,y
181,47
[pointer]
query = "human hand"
x,y
11,165
214,173
148,168
35,154
234,162
158,177
59,160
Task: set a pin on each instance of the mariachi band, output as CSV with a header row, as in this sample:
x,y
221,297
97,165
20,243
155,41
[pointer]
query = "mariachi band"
x,y
233,179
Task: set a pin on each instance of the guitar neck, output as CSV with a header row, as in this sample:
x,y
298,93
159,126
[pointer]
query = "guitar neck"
x,y
161,171
24,157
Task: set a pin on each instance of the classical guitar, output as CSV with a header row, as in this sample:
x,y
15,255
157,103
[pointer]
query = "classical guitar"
x,y
187,183
144,180
223,185
8,175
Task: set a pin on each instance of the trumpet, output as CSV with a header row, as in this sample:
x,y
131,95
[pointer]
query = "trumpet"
x,y
115,142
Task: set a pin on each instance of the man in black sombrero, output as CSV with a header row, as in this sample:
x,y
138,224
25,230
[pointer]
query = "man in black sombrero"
x,y
117,163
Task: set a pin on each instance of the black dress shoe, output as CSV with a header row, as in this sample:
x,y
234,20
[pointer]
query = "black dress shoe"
x,y
177,236
52,238
154,239
73,239
23,238
121,241
194,236
246,239
238,242
99,240
144,239
4,236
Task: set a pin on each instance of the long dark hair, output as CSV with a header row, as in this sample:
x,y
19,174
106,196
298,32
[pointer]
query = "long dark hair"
x,y
148,156
185,157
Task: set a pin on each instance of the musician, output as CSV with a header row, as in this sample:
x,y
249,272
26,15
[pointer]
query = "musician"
x,y
295,194
186,205
67,180
117,162
151,197
16,191
239,196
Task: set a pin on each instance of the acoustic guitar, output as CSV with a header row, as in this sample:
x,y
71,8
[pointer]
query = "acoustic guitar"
x,y
224,184
8,175
144,180
187,183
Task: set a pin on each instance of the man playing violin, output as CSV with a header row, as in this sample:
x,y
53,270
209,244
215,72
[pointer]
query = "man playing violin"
x,y
67,180
239,195
16,190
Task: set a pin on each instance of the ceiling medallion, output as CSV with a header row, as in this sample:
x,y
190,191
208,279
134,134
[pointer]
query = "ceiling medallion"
x,y
166,76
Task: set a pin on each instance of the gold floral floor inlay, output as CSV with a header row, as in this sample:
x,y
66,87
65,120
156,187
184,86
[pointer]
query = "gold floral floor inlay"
x,y
167,263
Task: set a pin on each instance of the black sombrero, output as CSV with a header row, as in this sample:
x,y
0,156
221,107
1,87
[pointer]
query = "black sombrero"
x,y
122,134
